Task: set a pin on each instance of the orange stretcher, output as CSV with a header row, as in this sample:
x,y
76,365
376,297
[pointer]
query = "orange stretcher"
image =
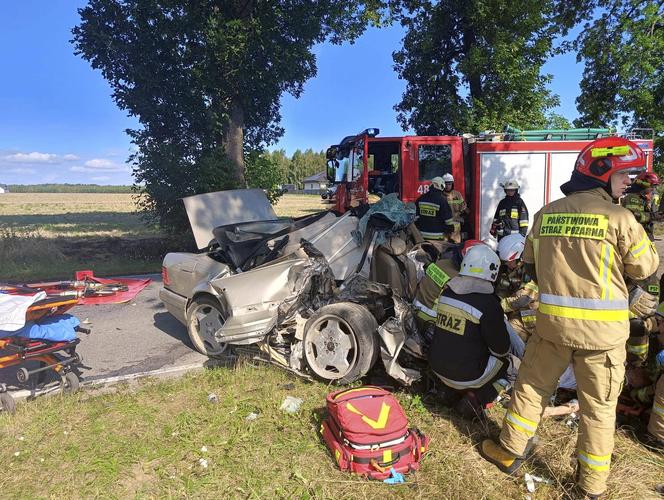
x,y
59,357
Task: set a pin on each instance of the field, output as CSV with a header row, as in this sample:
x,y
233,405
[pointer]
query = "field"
x,y
51,235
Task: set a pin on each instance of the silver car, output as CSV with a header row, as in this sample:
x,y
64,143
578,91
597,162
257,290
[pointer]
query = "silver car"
x,y
293,289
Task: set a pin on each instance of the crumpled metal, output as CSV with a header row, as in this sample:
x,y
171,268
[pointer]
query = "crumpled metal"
x,y
394,333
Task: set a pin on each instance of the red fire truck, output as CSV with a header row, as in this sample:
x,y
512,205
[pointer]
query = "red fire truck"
x,y
540,160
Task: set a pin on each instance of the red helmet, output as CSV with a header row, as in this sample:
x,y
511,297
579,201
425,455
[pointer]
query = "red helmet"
x,y
647,180
604,157
469,244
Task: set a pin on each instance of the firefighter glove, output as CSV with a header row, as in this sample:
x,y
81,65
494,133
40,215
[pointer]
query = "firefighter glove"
x,y
521,302
641,303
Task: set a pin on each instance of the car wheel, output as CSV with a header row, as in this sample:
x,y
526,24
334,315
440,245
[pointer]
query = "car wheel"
x,y
340,342
204,318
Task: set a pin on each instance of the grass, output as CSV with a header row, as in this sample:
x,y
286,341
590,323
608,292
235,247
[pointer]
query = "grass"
x,y
147,442
52,235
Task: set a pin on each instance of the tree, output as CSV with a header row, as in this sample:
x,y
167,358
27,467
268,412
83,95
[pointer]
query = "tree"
x,y
205,78
621,46
475,65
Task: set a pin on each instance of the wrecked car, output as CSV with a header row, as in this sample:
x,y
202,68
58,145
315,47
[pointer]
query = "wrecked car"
x,y
323,295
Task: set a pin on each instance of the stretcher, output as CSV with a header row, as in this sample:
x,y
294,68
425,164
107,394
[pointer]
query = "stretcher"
x,y
36,356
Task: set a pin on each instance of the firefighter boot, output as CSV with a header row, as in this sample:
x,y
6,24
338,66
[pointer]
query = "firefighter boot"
x,y
506,461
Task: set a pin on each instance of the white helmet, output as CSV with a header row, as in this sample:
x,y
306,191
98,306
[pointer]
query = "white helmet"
x,y
511,247
448,178
438,182
510,184
480,262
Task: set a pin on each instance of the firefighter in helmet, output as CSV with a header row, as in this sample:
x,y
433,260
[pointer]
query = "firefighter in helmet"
x,y
511,214
457,204
471,343
639,200
434,216
577,251
517,291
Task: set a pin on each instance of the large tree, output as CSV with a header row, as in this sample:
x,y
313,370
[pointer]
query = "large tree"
x,y
205,78
476,64
621,46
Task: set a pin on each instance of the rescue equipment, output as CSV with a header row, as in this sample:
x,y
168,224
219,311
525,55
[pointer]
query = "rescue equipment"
x,y
367,433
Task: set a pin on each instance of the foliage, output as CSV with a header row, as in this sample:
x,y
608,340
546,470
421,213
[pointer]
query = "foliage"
x,y
621,46
205,79
262,173
471,66
299,166
67,188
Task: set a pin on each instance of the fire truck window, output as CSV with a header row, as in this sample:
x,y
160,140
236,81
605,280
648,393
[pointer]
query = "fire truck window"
x,y
358,160
435,160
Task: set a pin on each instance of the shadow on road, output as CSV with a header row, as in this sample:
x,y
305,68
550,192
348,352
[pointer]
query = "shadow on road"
x,y
166,323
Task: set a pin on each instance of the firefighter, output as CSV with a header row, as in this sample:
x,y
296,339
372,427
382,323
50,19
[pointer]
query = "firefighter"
x,y
471,343
519,293
639,200
457,204
437,275
577,251
434,216
511,214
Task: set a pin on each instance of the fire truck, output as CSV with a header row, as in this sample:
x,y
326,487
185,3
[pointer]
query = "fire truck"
x,y
540,160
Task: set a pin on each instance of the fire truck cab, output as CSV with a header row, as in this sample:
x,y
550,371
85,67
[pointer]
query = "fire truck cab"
x,y
540,160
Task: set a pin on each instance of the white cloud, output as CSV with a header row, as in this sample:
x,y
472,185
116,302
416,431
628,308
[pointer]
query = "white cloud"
x,y
100,165
70,157
33,157
101,178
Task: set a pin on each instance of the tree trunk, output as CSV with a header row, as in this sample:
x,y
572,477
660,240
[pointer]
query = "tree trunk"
x,y
234,141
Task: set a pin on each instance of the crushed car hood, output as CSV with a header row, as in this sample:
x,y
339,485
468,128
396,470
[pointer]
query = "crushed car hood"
x,y
210,210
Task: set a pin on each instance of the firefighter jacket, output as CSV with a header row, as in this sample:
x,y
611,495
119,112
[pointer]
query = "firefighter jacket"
x,y
581,246
511,216
641,209
470,335
436,276
522,305
434,216
457,203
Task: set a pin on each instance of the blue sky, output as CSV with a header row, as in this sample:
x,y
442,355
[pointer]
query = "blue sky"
x,y
58,122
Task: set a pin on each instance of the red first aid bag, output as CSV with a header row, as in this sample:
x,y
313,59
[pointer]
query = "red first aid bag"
x,y
367,432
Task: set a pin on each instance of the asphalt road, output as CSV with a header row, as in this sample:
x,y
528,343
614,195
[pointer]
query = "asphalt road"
x,y
136,337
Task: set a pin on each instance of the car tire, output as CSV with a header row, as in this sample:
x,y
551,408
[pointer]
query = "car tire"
x,y
204,317
340,342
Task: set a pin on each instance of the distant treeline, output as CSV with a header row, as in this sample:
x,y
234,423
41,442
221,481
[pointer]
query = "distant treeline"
x,y
67,188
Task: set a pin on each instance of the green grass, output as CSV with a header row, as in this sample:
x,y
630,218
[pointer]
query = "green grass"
x,y
146,442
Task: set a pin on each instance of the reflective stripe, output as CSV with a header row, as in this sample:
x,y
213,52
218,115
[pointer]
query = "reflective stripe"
x,y
583,303
532,286
493,366
637,348
638,249
432,236
659,409
438,276
475,313
605,265
521,424
528,316
595,462
514,213
584,314
424,309
523,223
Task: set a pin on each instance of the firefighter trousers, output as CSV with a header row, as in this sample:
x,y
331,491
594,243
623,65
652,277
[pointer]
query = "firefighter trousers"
x,y
599,375
656,423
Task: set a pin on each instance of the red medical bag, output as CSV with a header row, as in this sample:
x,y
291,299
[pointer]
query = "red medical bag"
x,y
367,433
